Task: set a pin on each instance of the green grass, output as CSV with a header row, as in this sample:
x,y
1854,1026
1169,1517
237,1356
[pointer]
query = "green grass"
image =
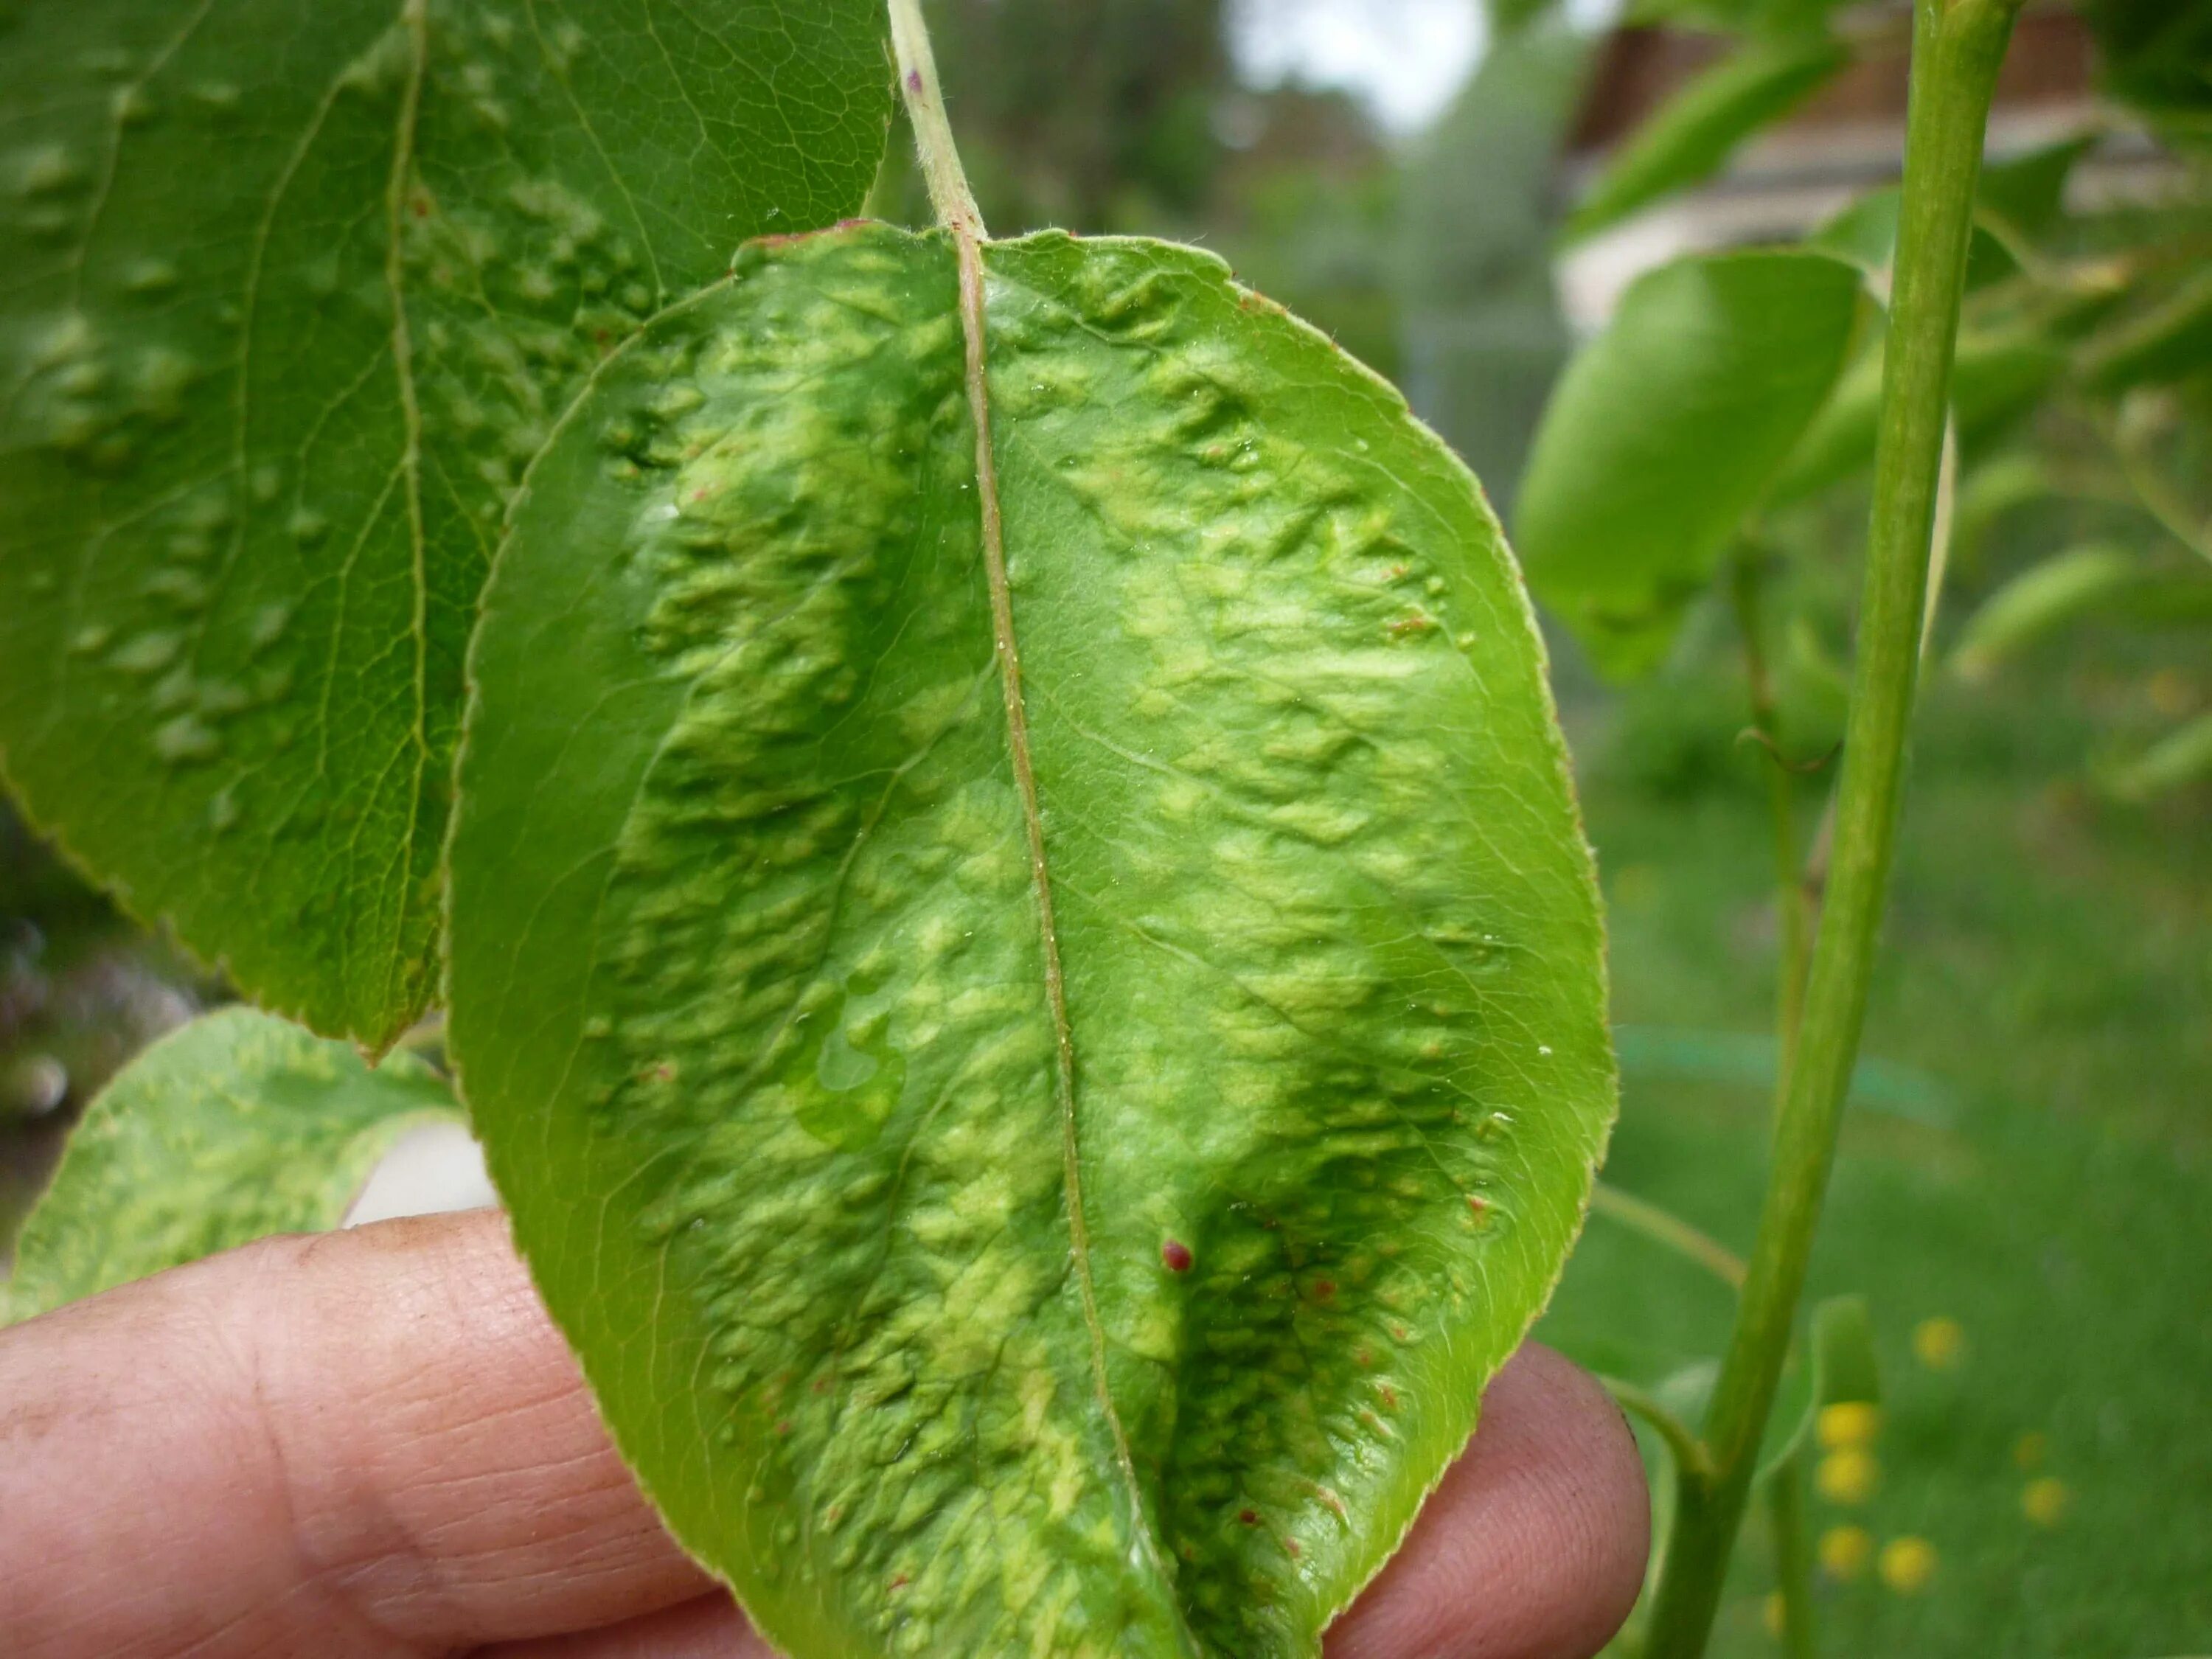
x,y
2049,966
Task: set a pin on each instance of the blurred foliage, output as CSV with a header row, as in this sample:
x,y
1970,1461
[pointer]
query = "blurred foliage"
x,y
1483,336
1094,115
2081,395
1692,135
82,990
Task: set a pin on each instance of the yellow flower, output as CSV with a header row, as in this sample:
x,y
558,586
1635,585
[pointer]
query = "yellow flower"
x,y
1774,1615
2043,1500
1940,1343
1849,1476
2030,1449
1847,1424
1907,1564
1843,1553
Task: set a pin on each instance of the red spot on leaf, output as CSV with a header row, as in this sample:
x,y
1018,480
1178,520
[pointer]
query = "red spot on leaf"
x,y
783,1426
1250,1518
1324,1289
1174,1255
901,1581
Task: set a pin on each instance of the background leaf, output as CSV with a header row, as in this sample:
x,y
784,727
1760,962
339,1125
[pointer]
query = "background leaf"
x,y
1667,429
2182,756
2039,601
2156,55
294,290
2170,343
1996,377
1865,233
238,1125
1690,137
2028,191
1838,1366
768,1074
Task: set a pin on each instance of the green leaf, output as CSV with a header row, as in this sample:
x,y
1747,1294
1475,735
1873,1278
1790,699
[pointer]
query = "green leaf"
x,y
1995,379
1776,18
2038,602
295,289
963,1276
1667,429
2183,757
2170,343
1865,233
236,1127
1694,133
1991,492
2028,191
1842,1369
2155,54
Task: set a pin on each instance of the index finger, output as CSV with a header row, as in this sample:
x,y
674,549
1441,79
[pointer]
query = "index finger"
x,y
374,1443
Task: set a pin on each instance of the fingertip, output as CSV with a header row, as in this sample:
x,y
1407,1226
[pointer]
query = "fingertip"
x,y
1534,1545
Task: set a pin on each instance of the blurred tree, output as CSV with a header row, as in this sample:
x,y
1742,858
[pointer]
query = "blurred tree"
x,y
1483,336
1091,115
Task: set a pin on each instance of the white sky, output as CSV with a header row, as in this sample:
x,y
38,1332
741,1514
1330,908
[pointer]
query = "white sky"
x,y
1404,59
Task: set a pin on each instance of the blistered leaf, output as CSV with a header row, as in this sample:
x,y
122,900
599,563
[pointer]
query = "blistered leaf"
x,y
1694,133
1667,429
1056,1187
239,1126
295,289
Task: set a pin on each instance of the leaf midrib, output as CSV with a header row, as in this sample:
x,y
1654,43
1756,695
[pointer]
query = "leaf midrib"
x,y
968,251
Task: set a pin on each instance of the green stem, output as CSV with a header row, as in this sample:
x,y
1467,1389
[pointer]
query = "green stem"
x,y
1957,48
932,134
1793,1556
1682,1443
1793,905
1663,1227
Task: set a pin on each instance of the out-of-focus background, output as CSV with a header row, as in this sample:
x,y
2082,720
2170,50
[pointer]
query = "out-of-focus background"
x,y
2025,1191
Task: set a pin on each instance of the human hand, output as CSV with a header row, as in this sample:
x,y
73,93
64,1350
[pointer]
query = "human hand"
x,y
372,1445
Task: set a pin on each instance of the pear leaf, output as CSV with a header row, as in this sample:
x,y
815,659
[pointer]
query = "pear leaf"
x,y
1036,1162
295,289
1669,428
236,1127
1694,134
